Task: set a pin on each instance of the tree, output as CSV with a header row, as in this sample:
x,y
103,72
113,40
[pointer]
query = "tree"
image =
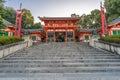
x,y
1,1
1,7
1,23
74,15
1,12
82,22
36,26
96,20
112,9
27,18
91,20
9,14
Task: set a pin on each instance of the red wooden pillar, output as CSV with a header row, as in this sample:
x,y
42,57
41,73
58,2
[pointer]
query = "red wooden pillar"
x,y
36,38
40,38
74,36
110,32
66,39
54,37
83,38
46,36
10,33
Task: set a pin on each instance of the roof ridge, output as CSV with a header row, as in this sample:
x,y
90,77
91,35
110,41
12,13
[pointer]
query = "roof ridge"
x,y
115,21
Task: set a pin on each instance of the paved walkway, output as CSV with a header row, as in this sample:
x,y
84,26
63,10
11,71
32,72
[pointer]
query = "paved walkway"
x,y
61,61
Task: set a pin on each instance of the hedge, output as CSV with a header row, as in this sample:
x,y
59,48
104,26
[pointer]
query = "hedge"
x,y
112,39
4,40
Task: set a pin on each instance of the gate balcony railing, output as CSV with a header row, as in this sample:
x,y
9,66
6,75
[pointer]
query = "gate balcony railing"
x,y
61,26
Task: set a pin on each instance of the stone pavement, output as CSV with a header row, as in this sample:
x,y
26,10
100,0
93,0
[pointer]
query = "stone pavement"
x,y
60,61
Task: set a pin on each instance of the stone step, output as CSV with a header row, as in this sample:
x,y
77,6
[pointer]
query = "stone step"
x,y
69,51
61,55
59,52
59,63
61,76
60,70
56,77
24,65
81,52
65,55
59,60
56,62
54,58
75,60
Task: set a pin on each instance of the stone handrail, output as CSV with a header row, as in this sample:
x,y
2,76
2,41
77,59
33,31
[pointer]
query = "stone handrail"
x,y
114,44
10,45
12,48
112,47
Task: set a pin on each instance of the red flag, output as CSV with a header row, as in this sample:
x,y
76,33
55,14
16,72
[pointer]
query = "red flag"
x,y
103,21
18,23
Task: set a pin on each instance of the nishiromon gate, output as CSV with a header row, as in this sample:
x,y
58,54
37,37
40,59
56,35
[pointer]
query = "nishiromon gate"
x,y
60,29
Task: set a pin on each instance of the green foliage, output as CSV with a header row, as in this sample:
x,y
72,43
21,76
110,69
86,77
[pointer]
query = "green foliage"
x,y
8,40
1,7
1,12
9,14
1,20
74,15
2,26
112,39
91,20
36,26
1,1
27,18
2,31
112,9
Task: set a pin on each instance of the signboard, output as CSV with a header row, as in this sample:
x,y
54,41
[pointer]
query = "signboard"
x,y
18,23
103,21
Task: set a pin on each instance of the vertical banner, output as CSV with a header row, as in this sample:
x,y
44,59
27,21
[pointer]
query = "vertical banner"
x,y
103,20
18,23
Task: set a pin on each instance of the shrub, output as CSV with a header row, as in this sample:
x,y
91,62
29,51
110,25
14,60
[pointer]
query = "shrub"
x,y
8,40
112,39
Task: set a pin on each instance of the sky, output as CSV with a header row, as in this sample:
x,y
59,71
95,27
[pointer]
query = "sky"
x,y
55,8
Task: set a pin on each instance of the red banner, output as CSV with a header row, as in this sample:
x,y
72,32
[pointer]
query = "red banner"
x,y
18,23
103,21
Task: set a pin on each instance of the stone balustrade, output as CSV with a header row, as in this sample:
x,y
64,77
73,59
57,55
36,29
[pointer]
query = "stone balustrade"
x,y
11,48
112,47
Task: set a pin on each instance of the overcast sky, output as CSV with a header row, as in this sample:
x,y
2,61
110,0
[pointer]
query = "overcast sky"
x,y
55,8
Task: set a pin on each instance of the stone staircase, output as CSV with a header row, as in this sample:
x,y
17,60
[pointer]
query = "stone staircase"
x,y
60,61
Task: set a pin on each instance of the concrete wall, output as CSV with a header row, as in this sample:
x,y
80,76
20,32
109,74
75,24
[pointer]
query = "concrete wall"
x,y
9,50
115,48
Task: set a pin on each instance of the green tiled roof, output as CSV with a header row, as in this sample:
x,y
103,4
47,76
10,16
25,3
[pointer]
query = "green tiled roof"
x,y
115,21
5,22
